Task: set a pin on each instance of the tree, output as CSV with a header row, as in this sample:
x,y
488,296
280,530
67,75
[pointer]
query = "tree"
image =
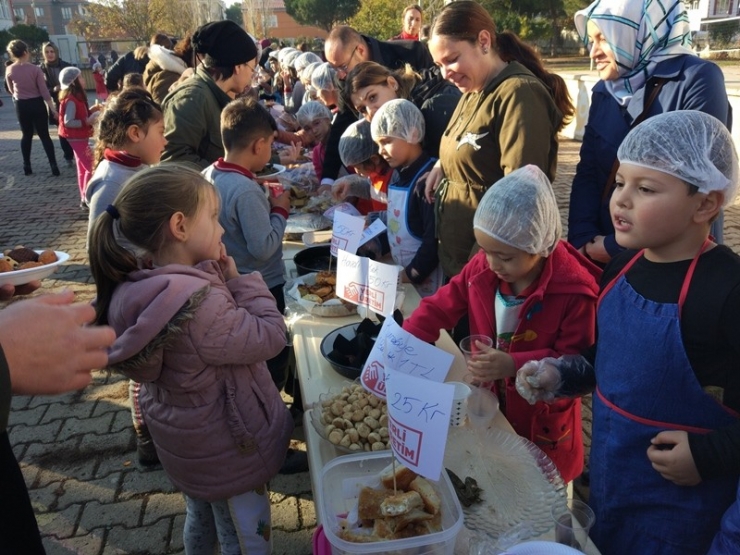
x,y
234,13
33,36
321,13
378,18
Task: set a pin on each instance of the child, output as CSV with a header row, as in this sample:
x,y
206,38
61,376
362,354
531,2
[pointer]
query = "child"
x,y
76,121
664,459
101,92
358,151
133,81
196,334
398,129
130,136
315,119
531,292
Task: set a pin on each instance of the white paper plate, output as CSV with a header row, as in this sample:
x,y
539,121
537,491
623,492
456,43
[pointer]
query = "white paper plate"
x,y
311,238
541,548
21,277
278,170
333,308
519,481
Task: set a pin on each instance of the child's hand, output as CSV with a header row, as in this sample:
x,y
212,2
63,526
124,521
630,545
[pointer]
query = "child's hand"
x,y
491,364
290,154
671,456
227,264
281,201
539,380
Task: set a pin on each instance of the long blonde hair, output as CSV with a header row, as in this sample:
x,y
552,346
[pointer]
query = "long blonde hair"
x,y
140,214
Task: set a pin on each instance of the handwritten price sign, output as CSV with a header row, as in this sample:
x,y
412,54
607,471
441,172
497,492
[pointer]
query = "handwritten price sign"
x,y
346,232
418,421
398,350
367,283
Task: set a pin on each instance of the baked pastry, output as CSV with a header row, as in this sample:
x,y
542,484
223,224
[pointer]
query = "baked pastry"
x,y
23,254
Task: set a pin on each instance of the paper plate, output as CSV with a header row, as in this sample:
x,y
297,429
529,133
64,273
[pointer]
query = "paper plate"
x,y
278,170
333,308
21,277
519,481
541,548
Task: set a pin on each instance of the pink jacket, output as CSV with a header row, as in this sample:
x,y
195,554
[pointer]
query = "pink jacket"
x,y
557,318
199,345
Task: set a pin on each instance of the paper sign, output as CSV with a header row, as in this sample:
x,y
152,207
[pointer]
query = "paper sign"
x,y
397,349
418,420
366,283
346,233
373,230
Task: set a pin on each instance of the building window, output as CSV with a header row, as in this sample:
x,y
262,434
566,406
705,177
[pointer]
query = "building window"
x,y
722,7
67,13
19,13
270,21
82,9
39,12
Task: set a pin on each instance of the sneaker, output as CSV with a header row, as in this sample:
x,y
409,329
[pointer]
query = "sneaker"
x,y
295,461
84,207
70,162
146,452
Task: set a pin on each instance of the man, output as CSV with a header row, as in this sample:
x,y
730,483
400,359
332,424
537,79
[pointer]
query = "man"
x,y
344,49
411,21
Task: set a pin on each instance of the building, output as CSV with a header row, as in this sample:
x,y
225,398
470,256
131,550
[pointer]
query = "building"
x,y
6,15
714,9
268,18
51,15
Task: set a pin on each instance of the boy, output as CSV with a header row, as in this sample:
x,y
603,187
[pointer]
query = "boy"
x,y
666,439
398,129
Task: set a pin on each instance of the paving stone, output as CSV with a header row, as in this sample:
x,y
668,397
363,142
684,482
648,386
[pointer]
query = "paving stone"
x,y
61,412
145,540
75,491
98,425
61,524
44,498
121,420
295,543
178,525
307,511
285,514
45,433
161,505
89,544
136,483
123,513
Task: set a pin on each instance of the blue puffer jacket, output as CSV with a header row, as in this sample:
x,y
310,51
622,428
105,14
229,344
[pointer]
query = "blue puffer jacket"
x,y
727,540
692,84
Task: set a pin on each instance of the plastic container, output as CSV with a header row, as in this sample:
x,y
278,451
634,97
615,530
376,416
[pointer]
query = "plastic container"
x,y
341,481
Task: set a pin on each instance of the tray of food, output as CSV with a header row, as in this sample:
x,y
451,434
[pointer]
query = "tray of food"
x,y
20,265
270,170
316,293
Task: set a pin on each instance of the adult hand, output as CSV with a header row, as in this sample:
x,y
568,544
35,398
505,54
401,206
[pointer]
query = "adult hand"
x,y
432,180
281,201
7,291
596,250
671,456
490,364
227,264
49,346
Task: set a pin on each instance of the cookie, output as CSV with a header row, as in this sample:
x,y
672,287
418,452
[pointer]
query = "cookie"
x,y
23,254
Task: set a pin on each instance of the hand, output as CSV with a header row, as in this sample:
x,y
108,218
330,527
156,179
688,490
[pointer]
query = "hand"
x,y
227,264
538,380
340,189
323,189
671,456
595,250
49,346
7,291
281,201
490,364
290,154
432,180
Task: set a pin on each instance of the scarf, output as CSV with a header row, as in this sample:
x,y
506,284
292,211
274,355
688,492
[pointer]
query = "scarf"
x,y
640,33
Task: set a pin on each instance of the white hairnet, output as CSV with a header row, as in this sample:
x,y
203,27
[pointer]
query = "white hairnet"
x,y
283,52
323,78
521,211
356,144
304,59
398,118
311,111
290,58
307,72
692,146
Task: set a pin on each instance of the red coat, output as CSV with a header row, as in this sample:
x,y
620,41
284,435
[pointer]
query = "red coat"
x,y
557,318
82,112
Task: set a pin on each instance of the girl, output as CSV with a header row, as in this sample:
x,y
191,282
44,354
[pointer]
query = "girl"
x,y
531,292
315,118
101,92
76,121
198,337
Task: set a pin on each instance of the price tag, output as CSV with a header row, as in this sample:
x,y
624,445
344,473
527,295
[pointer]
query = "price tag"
x,y
346,232
418,421
373,230
397,349
367,283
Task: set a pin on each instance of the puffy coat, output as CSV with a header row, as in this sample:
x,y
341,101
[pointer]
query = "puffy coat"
x,y
198,344
164,69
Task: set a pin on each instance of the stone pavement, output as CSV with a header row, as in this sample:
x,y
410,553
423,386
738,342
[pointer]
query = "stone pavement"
x,y
77,451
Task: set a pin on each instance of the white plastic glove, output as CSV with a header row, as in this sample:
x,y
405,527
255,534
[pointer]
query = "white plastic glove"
x,y
539,380
350,186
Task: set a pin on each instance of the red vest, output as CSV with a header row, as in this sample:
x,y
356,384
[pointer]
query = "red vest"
x,y
81,113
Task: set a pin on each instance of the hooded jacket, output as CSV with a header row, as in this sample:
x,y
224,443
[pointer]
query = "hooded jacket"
x,y
164,69
198,345
557,318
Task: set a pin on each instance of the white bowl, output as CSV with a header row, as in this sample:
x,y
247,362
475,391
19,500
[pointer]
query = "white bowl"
x,y
21,277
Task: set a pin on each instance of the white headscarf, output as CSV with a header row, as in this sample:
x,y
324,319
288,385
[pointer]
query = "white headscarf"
x,y
641,33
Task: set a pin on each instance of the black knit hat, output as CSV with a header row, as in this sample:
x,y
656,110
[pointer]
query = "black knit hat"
x,y
225,43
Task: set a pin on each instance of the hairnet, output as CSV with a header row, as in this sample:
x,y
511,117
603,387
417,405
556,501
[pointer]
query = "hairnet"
x,y
521,211
692,146
398,118
311,111
307,71
283,52
356,144
290,58
304,59
323,78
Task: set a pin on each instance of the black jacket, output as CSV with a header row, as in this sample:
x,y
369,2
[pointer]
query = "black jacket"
x,y
124,65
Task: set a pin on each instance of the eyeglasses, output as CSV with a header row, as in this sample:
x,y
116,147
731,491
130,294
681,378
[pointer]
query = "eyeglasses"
x,y
345,68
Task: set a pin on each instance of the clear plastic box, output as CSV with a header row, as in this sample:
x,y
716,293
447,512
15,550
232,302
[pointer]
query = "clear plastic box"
x,y
341,481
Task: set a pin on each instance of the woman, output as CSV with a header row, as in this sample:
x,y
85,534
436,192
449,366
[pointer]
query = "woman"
x,y
369,85
509,115
227,58
52,66
411,19
634,59
164,69
33,103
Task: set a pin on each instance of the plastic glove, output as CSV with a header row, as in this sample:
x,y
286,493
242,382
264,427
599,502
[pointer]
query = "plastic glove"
x,y
539,380
351,186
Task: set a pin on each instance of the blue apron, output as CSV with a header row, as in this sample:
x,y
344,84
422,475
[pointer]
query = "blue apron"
x,y
646,385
